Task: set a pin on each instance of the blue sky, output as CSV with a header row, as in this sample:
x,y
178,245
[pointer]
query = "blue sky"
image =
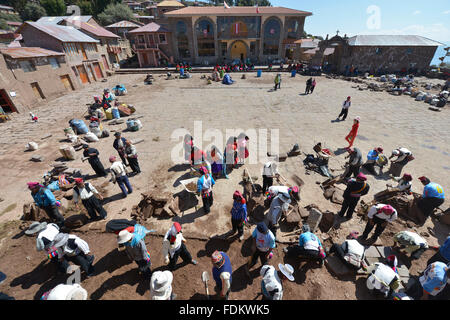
x,y
429,19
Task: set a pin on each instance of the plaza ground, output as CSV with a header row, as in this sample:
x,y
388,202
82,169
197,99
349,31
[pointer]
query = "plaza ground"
x,y
167,105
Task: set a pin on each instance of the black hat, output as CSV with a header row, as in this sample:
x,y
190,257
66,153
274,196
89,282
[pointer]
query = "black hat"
x,y
117,134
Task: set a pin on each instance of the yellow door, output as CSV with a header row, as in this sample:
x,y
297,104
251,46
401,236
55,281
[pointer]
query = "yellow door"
x,y
66,82
239,50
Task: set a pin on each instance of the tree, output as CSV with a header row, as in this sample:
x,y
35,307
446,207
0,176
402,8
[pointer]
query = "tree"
x,y
99,6
54,7
115,13
19,5
33,12
85,7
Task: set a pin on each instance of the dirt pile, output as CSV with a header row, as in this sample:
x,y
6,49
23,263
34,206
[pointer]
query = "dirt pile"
x,y
156,203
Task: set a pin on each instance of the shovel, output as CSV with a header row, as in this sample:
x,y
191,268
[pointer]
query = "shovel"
x,y
205,279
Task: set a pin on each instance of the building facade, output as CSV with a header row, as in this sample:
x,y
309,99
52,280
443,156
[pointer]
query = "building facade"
x,y
209,35
29,76
82,52
378,54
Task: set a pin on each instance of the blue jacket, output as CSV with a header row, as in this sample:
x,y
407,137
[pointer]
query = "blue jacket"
x,y
445,249
433,190
44,198
225,268
372,155
239,211
200,182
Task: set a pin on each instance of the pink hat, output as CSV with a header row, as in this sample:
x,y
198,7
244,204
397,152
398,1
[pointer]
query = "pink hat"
x,y
204,170
295,189
112,158
32,185
388,209
361,176
78,180
177,226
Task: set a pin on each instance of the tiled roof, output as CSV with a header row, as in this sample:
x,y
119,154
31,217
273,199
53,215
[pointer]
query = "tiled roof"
x,y
62,33
29,52
151,27
392,40
222,11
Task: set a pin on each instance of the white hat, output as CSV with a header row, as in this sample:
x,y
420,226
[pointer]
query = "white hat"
x,y
287,270
161,285
36,227
124,236
67,292
60,239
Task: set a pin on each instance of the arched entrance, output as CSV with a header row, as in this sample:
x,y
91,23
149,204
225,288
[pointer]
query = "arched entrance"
x,y
239,50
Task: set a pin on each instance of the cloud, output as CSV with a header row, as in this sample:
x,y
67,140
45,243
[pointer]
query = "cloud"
x,y
436,31
446,12
417,12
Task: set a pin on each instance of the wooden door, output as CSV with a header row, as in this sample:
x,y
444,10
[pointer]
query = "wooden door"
x,y
5,102
92,73
239,50
65,79
37,90
84,52
144,59
98,70
83,74
105,62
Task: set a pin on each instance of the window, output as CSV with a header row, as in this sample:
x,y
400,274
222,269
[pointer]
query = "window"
x,y
292,29
54,63
253,48
223,49
162,38
378,51
272,31
205,38
27,66
182,40
409,51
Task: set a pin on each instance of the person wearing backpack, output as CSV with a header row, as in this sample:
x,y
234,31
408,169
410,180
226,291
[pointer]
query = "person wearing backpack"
x,y
383,280
86,192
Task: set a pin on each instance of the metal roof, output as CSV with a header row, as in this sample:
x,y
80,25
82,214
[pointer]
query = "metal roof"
x,y
58,19
235,11
392,40
123,24
29,52
94,29
307,43
326,52
151,27
62,33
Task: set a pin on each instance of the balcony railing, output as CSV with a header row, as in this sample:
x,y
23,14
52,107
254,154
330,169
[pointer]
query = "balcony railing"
x,y
143,46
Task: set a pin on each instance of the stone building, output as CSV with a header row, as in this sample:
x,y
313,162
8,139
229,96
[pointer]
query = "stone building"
x,y
209,35
82,51
378,54
29,76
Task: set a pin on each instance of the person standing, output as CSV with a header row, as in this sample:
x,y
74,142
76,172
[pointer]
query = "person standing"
x,y
94,161
218,165
279,205
277,81
345,106
135,247
313,85
270,170
404,156
350,138
45,200
87,193
263,244
161,286
308,85
356,188
379,215
174,247
119,175
354,163
309,246
222,273
242,148
272,280
132,156
433,196
238,214
119,144
204,188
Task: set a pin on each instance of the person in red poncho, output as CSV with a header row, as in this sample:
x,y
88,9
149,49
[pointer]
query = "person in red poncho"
x,y
350,138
